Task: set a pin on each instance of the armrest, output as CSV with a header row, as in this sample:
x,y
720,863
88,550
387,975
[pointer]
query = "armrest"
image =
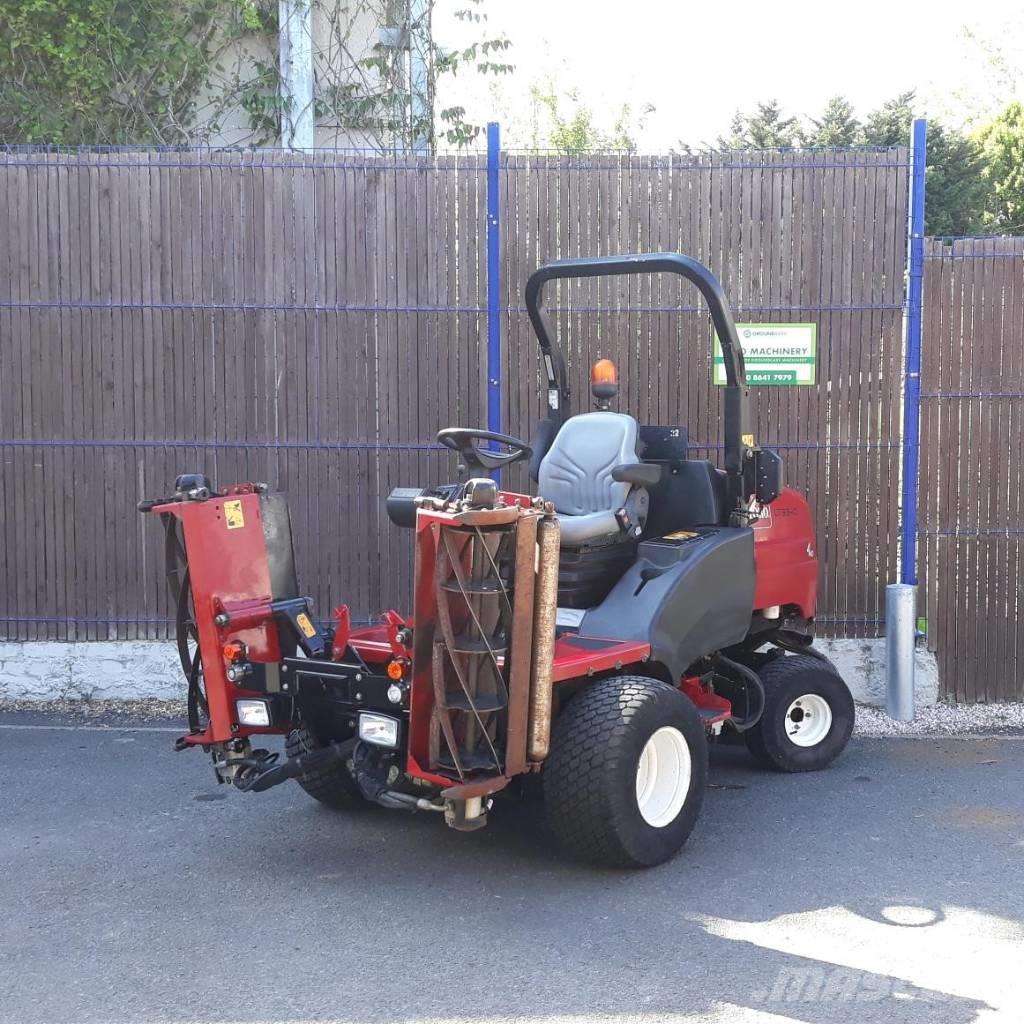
x,y
640,474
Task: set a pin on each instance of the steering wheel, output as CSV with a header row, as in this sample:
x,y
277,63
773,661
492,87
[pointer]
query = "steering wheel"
x,y
483,460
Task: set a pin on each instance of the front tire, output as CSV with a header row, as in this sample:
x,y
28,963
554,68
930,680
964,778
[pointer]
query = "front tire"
x,y
808,715
332,785
625,779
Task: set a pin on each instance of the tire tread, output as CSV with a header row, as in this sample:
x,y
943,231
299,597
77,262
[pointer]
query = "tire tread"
x,y
591,738
767,748
332,785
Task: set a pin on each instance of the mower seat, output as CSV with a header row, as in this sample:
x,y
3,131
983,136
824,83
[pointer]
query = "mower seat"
x,y
576,474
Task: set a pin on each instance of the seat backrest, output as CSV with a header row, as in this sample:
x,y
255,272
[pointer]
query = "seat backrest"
x,y
576,472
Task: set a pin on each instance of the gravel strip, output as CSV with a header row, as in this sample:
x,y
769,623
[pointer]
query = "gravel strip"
x,y
945,720
88,710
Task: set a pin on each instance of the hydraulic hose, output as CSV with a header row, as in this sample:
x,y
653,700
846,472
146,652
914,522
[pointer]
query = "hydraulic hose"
x,y
177,571
365,771
751,683
295,767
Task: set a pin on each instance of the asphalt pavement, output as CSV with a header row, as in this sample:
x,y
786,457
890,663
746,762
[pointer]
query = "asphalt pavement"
x,y
134,890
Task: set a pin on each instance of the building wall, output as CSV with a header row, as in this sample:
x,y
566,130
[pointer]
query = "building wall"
x,y
343,35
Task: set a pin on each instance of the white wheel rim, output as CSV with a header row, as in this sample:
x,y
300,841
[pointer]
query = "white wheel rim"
x,y
808,720
663,777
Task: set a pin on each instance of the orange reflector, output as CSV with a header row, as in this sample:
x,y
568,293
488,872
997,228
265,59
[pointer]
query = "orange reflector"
x,y
396,669
234,650
604,372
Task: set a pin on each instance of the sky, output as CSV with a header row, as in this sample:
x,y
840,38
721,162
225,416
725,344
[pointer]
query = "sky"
x,y
697,63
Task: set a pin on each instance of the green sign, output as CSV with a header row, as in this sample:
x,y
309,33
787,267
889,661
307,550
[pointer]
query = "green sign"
x,y
774,353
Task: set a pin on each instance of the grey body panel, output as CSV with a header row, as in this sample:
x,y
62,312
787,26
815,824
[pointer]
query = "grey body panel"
x,y
686,598
277,532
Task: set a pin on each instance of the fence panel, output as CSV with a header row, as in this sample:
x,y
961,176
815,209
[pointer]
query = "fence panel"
x,y
794,238
313,320
305,321
972,492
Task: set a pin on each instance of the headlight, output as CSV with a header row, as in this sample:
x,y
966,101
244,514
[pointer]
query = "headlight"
x,y
378,729
253,712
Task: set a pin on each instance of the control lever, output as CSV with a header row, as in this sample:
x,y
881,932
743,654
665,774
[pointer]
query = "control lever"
x,y
647,574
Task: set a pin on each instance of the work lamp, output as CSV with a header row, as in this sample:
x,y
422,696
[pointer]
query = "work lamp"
x,y
253,712
378,729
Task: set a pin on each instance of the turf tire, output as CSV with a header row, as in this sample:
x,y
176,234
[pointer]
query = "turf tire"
x,y
332,785
785,679
590,776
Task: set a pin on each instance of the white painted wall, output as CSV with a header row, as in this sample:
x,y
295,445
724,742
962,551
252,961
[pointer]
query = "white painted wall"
x,y
862,664
96,670
139,669
341,36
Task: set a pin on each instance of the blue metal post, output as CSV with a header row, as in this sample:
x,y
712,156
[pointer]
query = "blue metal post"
x,y
912,375
493,281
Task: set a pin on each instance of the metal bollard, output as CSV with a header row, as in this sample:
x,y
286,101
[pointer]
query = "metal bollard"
x,y
900,626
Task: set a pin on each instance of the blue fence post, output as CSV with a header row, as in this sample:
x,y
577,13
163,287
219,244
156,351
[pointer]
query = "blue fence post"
x,y
912,374
493,281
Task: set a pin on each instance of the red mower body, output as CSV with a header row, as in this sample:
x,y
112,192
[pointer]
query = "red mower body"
x,y
228,571
785,555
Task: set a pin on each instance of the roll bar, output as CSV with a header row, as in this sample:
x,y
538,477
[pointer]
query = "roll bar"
x,y
738,435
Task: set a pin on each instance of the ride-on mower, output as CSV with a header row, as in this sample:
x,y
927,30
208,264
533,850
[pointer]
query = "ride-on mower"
x,y
599,632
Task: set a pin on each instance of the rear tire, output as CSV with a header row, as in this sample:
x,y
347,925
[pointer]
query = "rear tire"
x,y
625,779
808,715
331,785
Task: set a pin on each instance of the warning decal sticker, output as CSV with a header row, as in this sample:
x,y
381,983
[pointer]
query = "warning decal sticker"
x,y
233,515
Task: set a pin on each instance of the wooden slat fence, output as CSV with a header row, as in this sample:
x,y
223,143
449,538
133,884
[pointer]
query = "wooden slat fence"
x,y
307,321
816,237
312,321
971,509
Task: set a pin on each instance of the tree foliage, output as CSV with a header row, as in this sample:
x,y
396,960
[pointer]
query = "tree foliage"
x,y
1002,147
960,177
889,125
375,97
484,55
111,71
765,127
957,191
87,72
837,125
575,130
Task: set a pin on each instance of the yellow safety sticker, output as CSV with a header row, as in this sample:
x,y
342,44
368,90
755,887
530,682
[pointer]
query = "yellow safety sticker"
x,y
680,535
748,440
233,515
305,625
